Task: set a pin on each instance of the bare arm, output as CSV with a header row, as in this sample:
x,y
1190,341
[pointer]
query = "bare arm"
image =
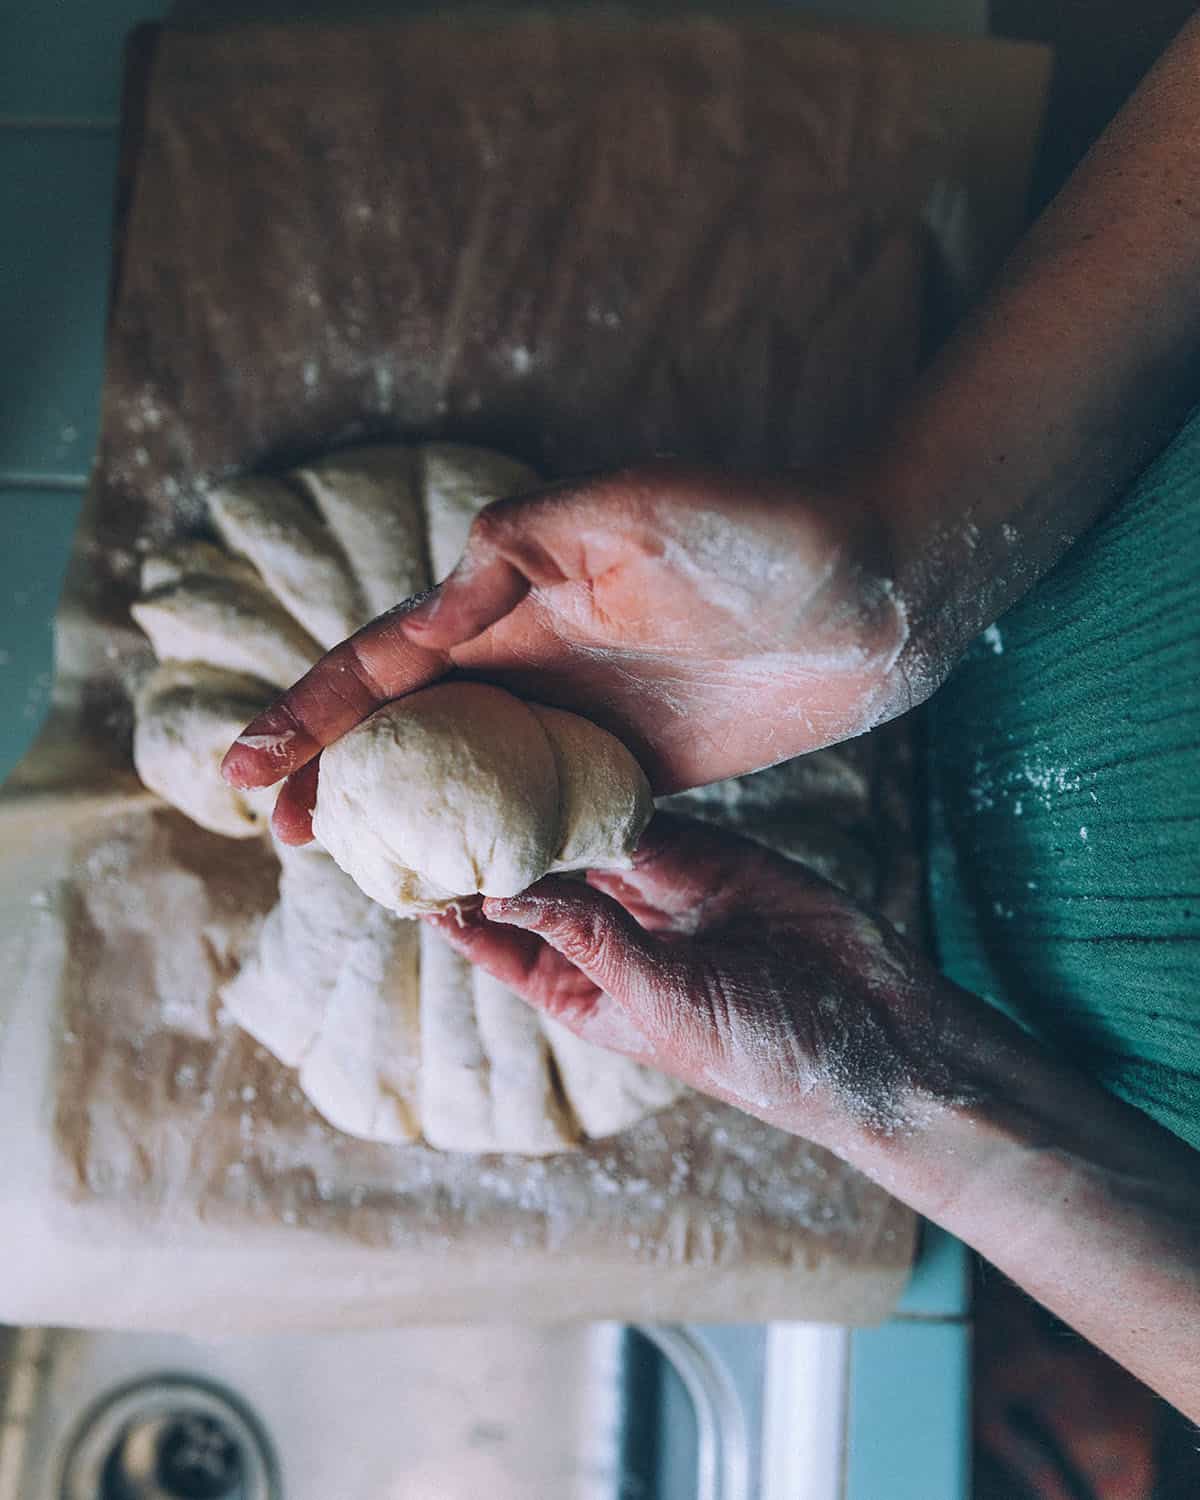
x,y
752,980
1074,371
1080,1199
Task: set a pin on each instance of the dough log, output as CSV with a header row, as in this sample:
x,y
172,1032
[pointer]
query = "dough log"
x,y
462,789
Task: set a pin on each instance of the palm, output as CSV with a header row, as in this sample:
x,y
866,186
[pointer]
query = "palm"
x,y
745,975
714,626
715,623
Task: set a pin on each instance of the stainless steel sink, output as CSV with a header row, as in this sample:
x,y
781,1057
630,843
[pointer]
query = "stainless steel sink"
x,y
597,1411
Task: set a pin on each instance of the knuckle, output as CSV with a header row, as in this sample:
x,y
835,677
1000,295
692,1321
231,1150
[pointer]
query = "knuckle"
x,y
360,670
492,526
587,940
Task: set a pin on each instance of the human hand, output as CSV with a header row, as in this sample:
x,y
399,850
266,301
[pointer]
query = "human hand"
x,y
732,968
714,623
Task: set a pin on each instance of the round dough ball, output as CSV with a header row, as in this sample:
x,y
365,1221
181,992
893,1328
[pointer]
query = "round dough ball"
x,y
462,788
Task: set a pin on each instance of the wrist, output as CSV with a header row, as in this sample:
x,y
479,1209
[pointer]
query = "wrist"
x,y
992,1129
849,630
975,1096
1076,1196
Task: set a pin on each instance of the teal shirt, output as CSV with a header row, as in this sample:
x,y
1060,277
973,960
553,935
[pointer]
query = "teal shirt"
x,y
1065,758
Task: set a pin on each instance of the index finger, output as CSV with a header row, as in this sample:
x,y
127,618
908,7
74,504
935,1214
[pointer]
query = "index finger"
x,y
350,682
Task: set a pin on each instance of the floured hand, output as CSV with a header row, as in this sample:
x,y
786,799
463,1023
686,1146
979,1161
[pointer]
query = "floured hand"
x,y
714,623
735,970
752,980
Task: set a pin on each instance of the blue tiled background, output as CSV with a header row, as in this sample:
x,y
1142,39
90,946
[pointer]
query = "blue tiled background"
x,y
60,71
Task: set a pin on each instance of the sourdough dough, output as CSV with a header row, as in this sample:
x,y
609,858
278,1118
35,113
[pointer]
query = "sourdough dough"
x,y
371,501
463,788
295,553
607,1092
196,559
459,788
186,714
486,1080
223,622
331,989
458,482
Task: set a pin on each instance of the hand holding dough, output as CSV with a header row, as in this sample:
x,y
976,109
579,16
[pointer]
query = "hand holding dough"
x,y
462,788
458,788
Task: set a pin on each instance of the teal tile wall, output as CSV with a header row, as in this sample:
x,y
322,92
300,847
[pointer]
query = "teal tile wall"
x,y
909,1423
60,89
56,192
36,527
940,1286
61,59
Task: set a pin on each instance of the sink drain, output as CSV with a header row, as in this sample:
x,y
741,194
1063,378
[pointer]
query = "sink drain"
x,y
169,1438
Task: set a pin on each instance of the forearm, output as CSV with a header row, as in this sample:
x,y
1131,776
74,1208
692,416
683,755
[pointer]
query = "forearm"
x,y
1074,371
1077,1197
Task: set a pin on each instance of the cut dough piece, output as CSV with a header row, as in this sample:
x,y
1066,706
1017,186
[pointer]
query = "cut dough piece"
x,y
458,481
185,716
295,553
224,623
528,1114
456,1110
456,789
197,559
331,989
486,1083
607,1092
281,991
362,1071
371,503
602,807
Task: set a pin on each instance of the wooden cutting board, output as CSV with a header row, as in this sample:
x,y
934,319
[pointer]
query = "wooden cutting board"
x,y
581,240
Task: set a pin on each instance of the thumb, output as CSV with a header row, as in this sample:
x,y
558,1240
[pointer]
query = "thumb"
x,y
567,532
482,589
604,943
651,1000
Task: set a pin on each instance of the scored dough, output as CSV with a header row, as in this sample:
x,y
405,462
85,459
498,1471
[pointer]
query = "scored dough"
x,y
198,560
459,481
223,622
457,789
363,1070
185,715
264,998
331,989
486,1082
294,551
371,503
608,1092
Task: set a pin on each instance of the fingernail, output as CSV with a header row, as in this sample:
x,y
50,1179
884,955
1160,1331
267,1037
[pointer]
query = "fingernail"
x,y
267,737
517,910
421,614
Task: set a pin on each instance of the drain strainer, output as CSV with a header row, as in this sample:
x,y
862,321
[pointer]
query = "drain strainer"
x,y
169,1438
